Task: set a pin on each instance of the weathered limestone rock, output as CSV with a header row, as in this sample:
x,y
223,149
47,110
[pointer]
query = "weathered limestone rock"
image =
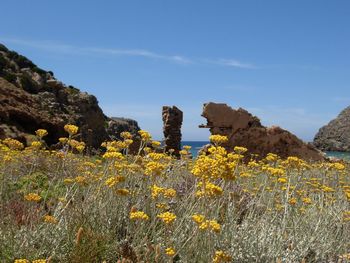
x,y
172,121
244,129
335,136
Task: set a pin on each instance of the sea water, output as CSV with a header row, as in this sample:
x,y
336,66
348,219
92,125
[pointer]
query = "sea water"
x,y
197,145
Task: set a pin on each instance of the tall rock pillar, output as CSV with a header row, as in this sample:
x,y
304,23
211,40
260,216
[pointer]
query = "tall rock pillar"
x,y
172,122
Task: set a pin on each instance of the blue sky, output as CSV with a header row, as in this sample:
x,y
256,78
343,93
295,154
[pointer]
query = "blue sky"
x,y
288,62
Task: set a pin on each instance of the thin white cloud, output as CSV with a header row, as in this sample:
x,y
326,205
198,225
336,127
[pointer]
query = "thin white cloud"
x,y
234,63
75,50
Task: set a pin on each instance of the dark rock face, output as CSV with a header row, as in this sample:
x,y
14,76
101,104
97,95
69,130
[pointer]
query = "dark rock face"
x,y
31,98
117,125
172,122
335,136
244,129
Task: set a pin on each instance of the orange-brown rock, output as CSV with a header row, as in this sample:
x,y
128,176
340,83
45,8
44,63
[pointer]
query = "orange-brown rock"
x,y
244,129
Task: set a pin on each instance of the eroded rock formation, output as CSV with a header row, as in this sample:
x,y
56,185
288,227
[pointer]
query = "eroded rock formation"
x,y
172,122
335,136
244,129
31,98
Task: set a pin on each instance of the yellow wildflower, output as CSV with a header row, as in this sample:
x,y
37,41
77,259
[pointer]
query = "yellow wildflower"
x,y
221,256
32,197
71,129
41,133
292,201
170,251
50,219
154,168
63,140
271,157
198,218
145,136
36,144
338,166
307,200
113,180
13,144
138,215
218,139
240,150
113,155
212,225
167,217
169,193
155,144
282,180
187,147
126,135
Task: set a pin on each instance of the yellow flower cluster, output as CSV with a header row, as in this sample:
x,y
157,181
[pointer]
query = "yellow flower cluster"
x,y
154,168
155,144
41,133
170,251
13,144
221,256
156,191
71,129
218,139
113,155
138,215
204,224
50,219
208,189
113,180
126,135
145,136
240,150
79,146
212,225
167,217
32,197
36,144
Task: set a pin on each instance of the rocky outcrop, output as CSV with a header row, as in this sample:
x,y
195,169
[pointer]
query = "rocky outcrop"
x,y
31,98
172,122
244,129
335,136
117,125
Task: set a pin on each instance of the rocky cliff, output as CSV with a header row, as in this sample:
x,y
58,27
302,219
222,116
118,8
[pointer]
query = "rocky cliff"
x,y
335,136
244,129
32,98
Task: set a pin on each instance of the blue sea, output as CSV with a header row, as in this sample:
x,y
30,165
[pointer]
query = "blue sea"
x,y
197,145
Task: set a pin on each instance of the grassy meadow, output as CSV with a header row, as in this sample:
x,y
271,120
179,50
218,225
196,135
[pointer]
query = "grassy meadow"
x,y
66,206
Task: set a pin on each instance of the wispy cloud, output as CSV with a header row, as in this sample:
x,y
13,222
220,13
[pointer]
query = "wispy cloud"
x,y
233,63
75,50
